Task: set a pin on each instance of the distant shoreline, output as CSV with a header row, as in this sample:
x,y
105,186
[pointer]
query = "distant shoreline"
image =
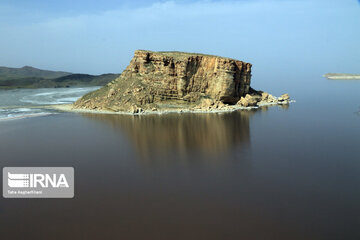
x,y
32,78
340,76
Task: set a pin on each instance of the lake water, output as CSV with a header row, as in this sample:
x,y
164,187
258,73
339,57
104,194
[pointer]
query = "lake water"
x,y
289,172
23,103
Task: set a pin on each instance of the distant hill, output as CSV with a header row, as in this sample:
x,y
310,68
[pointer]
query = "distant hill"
x,y
27,71
29,77
98,80
342,76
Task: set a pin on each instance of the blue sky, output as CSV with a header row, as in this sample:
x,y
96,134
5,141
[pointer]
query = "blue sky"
x,y
277,36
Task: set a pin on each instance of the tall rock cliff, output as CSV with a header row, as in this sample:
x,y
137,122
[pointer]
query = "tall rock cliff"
x,y
156,80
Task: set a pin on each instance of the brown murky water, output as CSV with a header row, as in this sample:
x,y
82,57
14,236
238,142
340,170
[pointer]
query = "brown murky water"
x,y
276,173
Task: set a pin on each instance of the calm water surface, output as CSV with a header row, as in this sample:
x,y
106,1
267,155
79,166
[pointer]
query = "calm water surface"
x,y
290,172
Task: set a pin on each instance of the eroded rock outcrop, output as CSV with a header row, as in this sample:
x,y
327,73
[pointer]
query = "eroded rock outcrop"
x,y
259,98
156,81
159,77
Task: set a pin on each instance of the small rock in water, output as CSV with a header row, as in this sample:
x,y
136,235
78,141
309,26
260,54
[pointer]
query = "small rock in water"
x,y
248,101
283,98
264,96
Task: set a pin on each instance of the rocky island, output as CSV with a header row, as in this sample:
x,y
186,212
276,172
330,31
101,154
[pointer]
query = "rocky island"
x,y
177,81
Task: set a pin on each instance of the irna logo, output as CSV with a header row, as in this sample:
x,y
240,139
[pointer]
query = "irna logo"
x,y
37,180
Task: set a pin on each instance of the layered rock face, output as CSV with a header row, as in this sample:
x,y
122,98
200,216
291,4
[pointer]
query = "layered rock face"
x,y
173,80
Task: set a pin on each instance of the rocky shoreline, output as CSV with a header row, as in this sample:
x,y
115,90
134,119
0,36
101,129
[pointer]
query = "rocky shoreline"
x,y
246,103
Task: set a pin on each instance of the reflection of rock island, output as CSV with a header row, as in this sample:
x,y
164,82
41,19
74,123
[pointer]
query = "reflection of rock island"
x,y
176,135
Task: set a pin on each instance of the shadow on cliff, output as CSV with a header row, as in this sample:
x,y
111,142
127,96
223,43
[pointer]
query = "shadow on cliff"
x,y
165,137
